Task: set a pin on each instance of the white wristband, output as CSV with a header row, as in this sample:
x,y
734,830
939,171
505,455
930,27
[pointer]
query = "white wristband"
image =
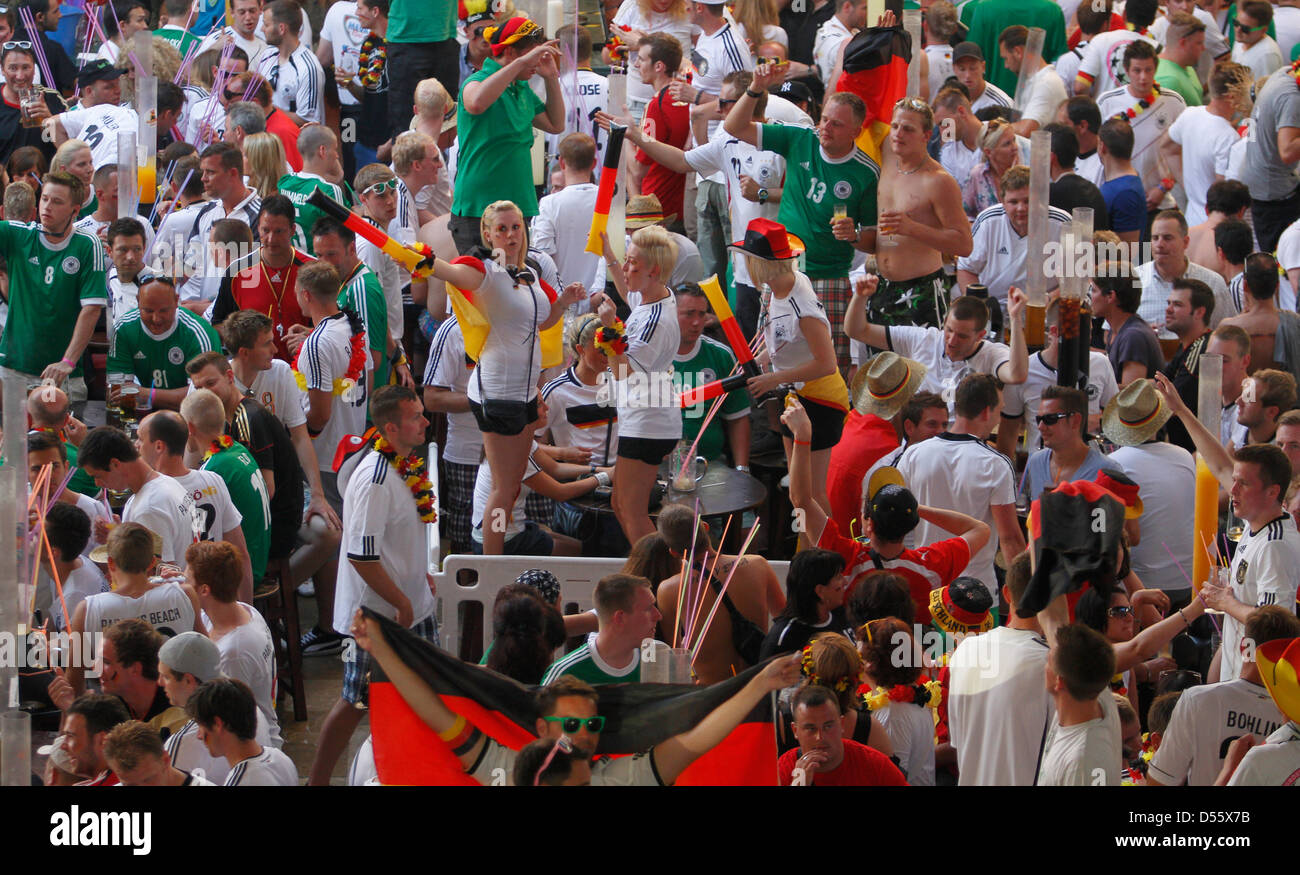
x,y
602,478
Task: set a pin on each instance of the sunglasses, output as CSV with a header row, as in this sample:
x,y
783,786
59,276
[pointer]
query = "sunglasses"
x,y
1241,27
1120,611
915,104
1050,418
382,187
233,95
16,45
571,725
722,102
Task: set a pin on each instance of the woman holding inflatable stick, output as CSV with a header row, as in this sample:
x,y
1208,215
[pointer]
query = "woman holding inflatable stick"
x,y
799,345
640,356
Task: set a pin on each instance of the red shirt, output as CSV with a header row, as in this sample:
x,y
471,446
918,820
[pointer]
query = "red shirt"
x,y
930,567
268,290
862,766
672,125
103,779
283,127
1116,23
865,439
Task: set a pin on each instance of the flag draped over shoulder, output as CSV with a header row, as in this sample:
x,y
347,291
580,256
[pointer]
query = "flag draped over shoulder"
x,y
474,324
875,69
1079,549
637,717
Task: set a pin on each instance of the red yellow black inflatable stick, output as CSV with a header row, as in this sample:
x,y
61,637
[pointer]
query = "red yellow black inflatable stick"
x,y
417,258
605,194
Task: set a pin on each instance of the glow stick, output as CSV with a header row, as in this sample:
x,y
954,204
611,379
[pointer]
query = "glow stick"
x,y
1183,571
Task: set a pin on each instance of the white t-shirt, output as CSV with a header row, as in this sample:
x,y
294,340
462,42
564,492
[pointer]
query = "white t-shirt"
x,y
733,158
647,402
1147,128
580,105
1206,140
1091,169
715,55
911,731
560,230
215,513
270,768
164,507
252,47
999,255
483,492
277,391
1156,290
1103,61
346,33
958,160
95,226
783,333
992,95
963,473
94,510
1166,477
1276,764
323,359
298,84
999,710
1205,721
1263,58
189,754
1043,96
202,112
577,418
1067,65
99,126
511,359
392,278
248,655
1288,246
629,14
166,607
1286,21
940,57
925,345
381,524
1022,399
1265,571
1088,754
206,283
826,48
448,368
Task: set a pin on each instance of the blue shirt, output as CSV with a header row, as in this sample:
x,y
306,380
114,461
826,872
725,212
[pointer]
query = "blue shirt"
x,y
1126,202
1038,471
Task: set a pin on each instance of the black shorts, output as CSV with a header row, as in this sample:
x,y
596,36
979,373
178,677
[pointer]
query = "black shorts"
x,y
827,424
506,417
532,541
652,451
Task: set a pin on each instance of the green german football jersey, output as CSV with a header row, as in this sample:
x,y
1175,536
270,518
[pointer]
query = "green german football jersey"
x,y
235,465
297,187
710,361
815,184
180,39
363,295
158,361
48,286
81,481
89,208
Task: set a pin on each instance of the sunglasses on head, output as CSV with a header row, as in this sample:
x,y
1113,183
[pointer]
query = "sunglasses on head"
x,y
1120,611
382,187
915,104
571,725
1050,418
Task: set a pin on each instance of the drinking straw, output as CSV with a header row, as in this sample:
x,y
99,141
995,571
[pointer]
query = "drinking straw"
x,y
699,642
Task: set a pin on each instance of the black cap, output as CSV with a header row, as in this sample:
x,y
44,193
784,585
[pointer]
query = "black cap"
x,y
970,594
795,91
967,50
98,70
893,512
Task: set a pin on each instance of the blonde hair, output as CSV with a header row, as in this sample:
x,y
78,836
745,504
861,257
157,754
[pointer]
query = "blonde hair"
x,y
677,9
409,147
265,161
762,271
581,331
204,410
993,133
754,16
166,63
431,98
657,249
486,223
63,157
835,658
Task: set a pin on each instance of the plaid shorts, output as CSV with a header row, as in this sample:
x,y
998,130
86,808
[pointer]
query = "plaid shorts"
x,y
457,508
834,293
540,509
356,664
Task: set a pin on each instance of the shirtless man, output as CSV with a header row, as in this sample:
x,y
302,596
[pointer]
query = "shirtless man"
x,y
1226,199
1261,318
921,222
754,590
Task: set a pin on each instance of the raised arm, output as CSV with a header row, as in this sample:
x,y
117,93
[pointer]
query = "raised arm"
x,y
856,325
1017,369
739,122
1216,456
975,532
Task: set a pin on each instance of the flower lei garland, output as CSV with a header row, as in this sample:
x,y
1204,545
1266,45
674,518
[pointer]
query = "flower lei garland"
x,y
806,666
927,694
1117,684
611,340
224,442
373,56
411,469
346,385
1141,106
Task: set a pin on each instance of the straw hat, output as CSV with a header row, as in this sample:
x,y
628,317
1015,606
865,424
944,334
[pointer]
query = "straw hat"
x,y
644,210
100,554
1279,669
887,383
1135,415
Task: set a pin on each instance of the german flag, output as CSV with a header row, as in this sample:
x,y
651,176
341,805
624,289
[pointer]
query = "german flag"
x,y
875,69
637,717
474,324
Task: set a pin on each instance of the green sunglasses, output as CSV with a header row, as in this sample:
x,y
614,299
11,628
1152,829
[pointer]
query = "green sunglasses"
x,y
571,725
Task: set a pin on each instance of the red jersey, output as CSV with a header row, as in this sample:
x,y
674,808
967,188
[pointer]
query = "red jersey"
x,y
268,290
1116,23
672,125
862,766
930,567
283,127
866,438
